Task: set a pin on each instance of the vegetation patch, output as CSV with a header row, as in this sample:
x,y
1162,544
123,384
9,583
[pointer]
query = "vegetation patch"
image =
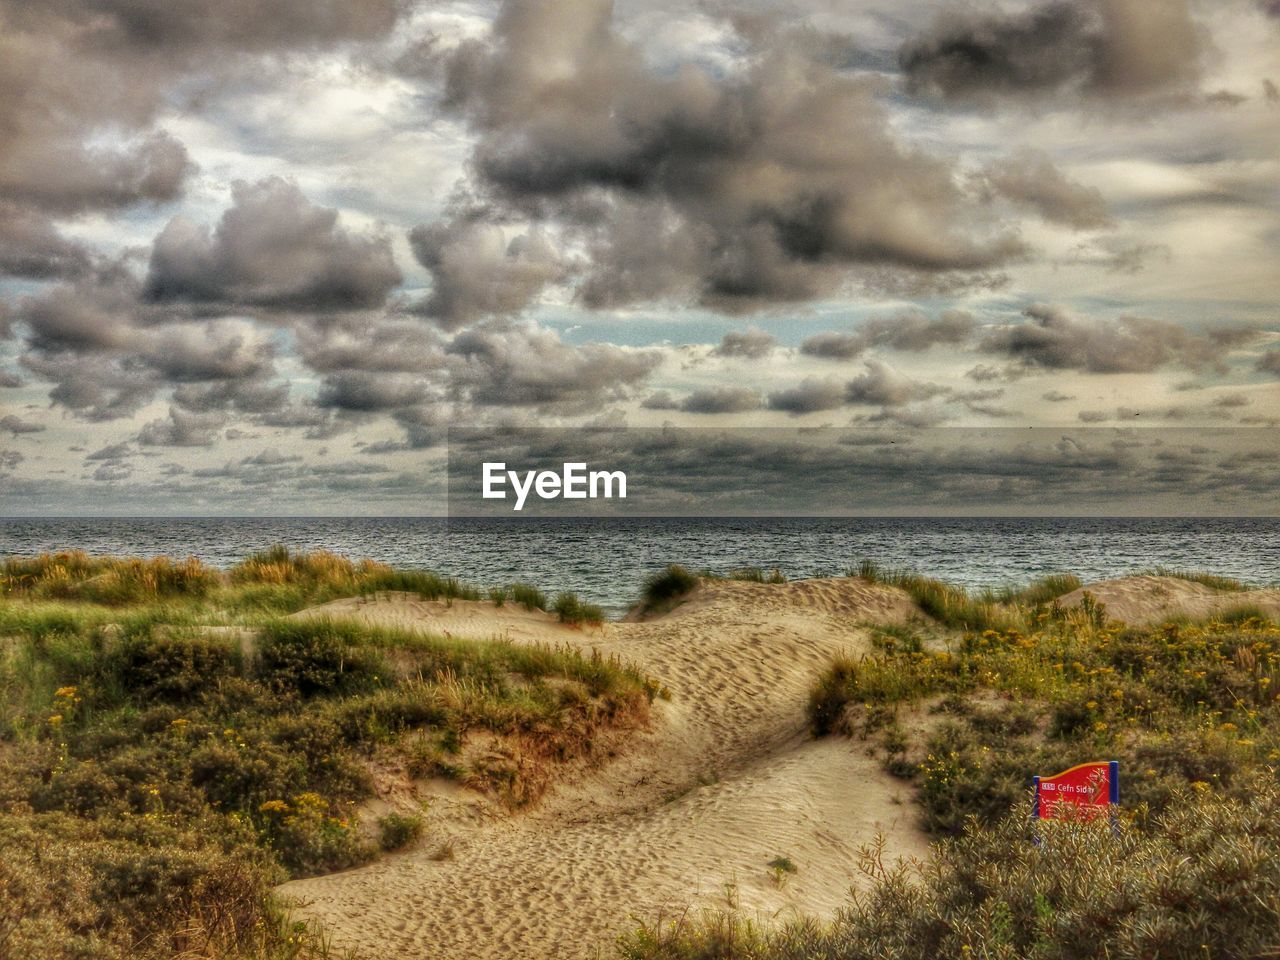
x,y
1192,713
1201,879
163,765
1177,705
949,605
664,588
1210,580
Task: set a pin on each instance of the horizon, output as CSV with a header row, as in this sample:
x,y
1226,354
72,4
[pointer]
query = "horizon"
x,y
576,518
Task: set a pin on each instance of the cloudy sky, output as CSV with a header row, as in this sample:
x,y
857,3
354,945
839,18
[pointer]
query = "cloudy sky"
x,y
260,258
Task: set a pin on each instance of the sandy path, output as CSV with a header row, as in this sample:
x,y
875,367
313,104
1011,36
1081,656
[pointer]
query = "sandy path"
x,y
1151,599
687,817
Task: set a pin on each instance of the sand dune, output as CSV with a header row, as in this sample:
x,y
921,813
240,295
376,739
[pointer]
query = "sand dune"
x,y
1151,599
687,816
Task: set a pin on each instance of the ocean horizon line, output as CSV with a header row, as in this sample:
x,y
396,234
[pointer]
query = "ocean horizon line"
x,y
638,517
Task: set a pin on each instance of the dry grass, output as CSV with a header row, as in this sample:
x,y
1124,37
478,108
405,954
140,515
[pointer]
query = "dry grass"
x,y
1201,880
158,778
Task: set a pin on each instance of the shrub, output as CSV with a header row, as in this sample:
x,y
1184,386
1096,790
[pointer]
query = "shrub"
x,y
397,830
531,598
1202,880
316,657
830,695
1176,705
310,836
172,668
75,888
666,586
572,610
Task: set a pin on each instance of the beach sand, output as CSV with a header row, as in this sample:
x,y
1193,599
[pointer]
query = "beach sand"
x,y
684,816
1146,600
687,816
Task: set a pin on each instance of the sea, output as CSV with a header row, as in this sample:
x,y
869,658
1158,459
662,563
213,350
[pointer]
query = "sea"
x,y
606,560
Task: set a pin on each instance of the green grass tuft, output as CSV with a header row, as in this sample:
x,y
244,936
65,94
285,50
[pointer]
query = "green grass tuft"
x,y
574,611
664,587
1210,580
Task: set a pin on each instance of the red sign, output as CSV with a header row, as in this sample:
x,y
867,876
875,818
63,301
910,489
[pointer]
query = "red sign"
x,y
1091,788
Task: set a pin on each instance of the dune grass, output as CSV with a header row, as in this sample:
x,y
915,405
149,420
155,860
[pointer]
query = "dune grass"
x,y
1210,580
275,581
1201,879
158,777
950,605
1043,590
665,587
1178,704
74,575
1192,713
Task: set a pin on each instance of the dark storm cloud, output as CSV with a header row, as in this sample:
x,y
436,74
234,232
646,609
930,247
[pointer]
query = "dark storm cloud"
x,y
660,400
183,429
76,134
834,346
97,313
114,451
775,182
16,425
81,82
359,391
988,373
252,395
237,25
811,396
1119,50
874,469
1029,178
95,386
721,400
185,353
911,331
518,365
113,472
751,344
356,344
107,353
1056,340
31,247
1270,90
424,427
477,272
272,248
1269,362
916,332
883,386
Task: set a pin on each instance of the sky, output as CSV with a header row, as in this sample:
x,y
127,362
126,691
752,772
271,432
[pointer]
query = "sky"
x,y
265,258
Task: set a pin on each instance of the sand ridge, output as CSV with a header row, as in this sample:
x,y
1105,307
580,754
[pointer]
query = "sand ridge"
x,y
1149,599
687,817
